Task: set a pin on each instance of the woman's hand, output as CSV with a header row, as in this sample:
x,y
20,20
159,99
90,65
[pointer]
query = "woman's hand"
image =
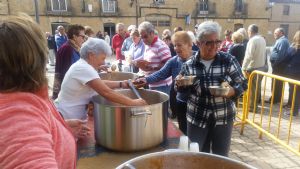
x,y
139,102
103,68
139,82
230,93
78,127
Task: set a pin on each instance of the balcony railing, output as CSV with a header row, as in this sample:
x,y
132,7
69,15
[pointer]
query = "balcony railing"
x,y
203,12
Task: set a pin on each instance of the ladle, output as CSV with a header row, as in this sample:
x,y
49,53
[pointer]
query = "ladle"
x,y
134,89
147,111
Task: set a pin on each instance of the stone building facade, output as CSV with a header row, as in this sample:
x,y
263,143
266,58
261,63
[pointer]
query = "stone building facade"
x,y
104,14
285,14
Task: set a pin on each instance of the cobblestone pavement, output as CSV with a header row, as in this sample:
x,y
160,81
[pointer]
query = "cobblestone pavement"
x,y
261,153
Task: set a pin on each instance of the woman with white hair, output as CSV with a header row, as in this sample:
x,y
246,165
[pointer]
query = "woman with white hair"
x,y
243,31
192,35
210,117
82,81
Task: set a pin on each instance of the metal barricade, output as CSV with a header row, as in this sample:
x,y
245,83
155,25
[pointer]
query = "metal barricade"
x,y
270,120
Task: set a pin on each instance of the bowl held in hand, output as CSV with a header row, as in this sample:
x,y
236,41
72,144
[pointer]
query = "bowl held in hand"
x,y
218,90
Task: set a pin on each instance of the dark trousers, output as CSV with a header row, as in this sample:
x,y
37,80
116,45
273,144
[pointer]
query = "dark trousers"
x,y
211,138
297,99
278,86
135,69
252,92
181,116
173,99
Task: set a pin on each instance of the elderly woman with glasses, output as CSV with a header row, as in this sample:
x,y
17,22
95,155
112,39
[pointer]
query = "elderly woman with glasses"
x,y
67,54
210,117
82,82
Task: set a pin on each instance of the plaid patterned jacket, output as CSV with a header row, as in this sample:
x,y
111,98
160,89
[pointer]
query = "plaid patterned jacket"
x,y
201,104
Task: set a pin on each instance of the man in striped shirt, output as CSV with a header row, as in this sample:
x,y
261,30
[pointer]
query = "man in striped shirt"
x,y
155,56
210,117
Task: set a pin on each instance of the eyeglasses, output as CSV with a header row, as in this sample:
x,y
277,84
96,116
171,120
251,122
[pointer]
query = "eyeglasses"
x,y
210,43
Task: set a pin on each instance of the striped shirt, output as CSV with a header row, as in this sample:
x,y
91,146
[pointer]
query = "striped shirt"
x,y
201,104
157,53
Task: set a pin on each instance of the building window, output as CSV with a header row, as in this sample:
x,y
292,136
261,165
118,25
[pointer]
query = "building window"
x,y
164,23
158,2
239,5
203,8
285,27
108,6
159,20
286,10
59,5
238,26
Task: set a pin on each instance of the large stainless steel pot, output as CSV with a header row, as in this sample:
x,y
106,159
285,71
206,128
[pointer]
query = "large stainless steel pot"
x,y
117,76
188,160
125,128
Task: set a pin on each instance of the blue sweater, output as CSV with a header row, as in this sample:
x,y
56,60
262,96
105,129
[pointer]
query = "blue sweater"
x,y
60,40
279,51
171,68
292,62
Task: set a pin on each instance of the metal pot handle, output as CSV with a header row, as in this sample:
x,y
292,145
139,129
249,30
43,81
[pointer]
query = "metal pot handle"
x,y
140,112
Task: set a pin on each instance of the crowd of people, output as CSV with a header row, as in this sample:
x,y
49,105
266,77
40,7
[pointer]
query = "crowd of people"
x,y
47,129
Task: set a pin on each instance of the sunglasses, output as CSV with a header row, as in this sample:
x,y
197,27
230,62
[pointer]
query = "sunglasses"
x,y
210,43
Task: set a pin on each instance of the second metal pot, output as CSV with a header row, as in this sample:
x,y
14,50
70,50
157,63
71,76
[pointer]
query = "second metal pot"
x,y
117,76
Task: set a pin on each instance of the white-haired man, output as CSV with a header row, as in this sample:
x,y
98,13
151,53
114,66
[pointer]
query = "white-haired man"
x,y
60,37
117,42
128,41
255,59
82,80
278,53
155,56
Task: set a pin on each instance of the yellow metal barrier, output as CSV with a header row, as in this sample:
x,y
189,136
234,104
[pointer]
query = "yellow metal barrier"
x,y
270,123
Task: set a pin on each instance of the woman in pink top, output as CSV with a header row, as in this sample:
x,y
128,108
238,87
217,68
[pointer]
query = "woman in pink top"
x,y
227,42
32,133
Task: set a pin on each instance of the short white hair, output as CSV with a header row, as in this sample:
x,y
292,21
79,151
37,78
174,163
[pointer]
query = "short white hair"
x,y
131,27
95,46
208,28
146,26
119,25
243,31
167,32
60,27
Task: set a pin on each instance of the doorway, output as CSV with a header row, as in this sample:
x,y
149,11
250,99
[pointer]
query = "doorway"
x,y
54,26
238,26
110,28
